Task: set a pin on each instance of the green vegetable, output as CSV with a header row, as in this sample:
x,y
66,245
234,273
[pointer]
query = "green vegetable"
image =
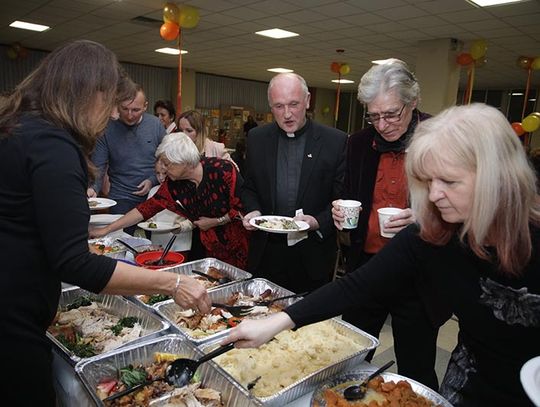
x,y
126,322
131,376
154,299
83,301
82,350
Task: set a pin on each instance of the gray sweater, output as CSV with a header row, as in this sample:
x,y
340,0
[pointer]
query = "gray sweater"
x,y
129,153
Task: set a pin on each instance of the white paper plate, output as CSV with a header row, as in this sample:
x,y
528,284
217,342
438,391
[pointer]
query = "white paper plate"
x,y
530,379
271,218
160,226
102,203
103,219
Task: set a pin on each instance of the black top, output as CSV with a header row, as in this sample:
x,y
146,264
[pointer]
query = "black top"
x,y
499,317
44,216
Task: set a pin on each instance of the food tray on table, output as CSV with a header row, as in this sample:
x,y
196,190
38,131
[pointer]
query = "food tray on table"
x,y
110,247
170,311
295,362
341,382
148,326
234,273
94,371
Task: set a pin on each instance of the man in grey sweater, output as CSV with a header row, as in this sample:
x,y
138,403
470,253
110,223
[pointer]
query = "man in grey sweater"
x,y
126,153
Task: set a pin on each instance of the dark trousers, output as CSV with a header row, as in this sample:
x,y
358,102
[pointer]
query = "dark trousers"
x,y
122,207
415,337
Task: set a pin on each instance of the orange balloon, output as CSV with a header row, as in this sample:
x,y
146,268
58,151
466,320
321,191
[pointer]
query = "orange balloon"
x,y
464,59
524,62
518,128
169,31
334,67
171,12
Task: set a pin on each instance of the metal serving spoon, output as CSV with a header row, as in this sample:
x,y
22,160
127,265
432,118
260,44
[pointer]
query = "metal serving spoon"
x,y
358,391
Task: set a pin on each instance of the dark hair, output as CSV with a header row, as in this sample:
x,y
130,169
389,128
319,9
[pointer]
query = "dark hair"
x,y
168,106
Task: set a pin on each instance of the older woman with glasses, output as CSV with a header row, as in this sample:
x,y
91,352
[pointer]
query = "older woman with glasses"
x,y
375,176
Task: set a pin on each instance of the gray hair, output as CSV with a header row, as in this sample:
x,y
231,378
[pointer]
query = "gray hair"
x,y
477,138
291,75
394,75
179,149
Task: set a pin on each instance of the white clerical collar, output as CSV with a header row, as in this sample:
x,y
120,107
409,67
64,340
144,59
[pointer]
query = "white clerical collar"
x,y
290,135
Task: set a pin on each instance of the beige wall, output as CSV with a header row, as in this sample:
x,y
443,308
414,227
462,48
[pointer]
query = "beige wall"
x,y
324,98
188,90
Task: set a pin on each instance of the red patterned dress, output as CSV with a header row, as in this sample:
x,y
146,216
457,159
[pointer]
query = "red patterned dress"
x,y
216,196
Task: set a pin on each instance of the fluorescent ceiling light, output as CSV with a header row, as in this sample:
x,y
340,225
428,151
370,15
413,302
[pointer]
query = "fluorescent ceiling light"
x,y
171,51
381,61
487,3
29,26
516,94
280,70
277,33
342,81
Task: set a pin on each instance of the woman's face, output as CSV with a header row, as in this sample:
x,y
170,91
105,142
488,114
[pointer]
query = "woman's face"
x,y
186,128
161,171
451,190
173,170
164,116
389,104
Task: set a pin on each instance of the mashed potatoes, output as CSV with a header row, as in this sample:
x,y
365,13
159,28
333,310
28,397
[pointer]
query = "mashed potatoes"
x,y
291,356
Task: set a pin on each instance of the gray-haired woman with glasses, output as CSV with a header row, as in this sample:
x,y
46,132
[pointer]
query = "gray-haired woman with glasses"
x,y
375,176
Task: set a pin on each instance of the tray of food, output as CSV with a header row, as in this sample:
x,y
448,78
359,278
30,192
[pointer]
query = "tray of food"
x,y
88,324
213,267
201,328
109,245
105,375
390,388
295,362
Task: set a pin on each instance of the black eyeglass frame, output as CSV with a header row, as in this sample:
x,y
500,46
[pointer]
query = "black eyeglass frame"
x,y
387,119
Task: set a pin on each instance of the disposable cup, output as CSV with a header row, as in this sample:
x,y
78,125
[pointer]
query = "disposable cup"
x,y
384,214
351,210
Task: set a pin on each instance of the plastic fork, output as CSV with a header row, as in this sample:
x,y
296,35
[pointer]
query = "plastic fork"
x,y
235,310
270,302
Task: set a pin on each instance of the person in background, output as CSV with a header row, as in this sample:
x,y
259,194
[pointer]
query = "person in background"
x,y
534,157
164,110
239,155
249,124
202,189
48,127
475,241
375,176
128,148
293,165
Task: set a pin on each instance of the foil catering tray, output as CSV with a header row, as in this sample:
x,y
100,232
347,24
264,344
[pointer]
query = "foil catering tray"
x,y
152,324
256,286
277,360
94,370
234,273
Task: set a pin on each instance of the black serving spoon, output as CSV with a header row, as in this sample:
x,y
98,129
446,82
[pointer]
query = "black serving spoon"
x,y
221,280
179,373
160,261
358,391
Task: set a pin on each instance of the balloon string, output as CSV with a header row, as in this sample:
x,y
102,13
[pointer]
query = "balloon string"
x,y
526,93
179,94
337,99
471,83
467,88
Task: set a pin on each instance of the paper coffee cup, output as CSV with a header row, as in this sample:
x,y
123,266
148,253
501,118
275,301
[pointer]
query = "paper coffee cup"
x,y
384,214
351,210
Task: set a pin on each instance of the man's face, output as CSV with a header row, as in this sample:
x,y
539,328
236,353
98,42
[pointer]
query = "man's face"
x,y
131,111
289,103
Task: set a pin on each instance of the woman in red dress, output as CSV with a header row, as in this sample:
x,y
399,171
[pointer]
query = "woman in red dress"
x,y
204,190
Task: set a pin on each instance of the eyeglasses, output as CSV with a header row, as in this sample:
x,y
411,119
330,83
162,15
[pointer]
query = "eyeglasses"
x,y
388,117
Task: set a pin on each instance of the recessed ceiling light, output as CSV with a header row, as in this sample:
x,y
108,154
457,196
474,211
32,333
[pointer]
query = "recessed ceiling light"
x,y
277,33
516,94
171,51
487,3
280,70
381,61
29,26
342,81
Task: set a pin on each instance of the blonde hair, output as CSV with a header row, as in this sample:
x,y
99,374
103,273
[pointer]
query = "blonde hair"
x,y
179,149
477,138
196,120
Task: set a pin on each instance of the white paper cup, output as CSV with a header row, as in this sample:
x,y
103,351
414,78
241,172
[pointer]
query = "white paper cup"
x,y
384,214
351,210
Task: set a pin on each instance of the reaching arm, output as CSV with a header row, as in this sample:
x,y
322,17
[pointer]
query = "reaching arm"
x,y
129,219
252,333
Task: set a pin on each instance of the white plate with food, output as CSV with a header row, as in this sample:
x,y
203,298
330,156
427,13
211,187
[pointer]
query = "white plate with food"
x,y
331,392
530,379
278,224
157,226
100,203
103,219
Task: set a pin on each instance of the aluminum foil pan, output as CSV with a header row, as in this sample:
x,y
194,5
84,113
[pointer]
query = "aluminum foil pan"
x,y
350,378
256,286
93,370
234,273
152,325
312,380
